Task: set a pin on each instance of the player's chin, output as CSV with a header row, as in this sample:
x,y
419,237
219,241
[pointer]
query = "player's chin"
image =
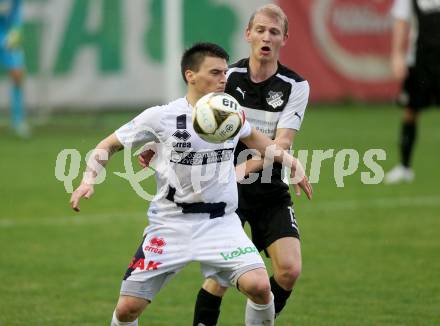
x,y
266,57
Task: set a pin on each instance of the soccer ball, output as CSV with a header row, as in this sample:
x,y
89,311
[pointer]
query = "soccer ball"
x,y
217,117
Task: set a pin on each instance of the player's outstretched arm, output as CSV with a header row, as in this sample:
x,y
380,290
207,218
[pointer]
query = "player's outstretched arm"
x,y
284,138
271,150
96,162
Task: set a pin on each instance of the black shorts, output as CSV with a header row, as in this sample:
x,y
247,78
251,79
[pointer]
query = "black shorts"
x,y
270,223
421,88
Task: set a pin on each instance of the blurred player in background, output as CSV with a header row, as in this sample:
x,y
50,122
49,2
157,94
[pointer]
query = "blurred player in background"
x,y
12,59
420,69
190,225
274,99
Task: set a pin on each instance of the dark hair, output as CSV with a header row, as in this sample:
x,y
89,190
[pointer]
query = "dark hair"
x,y
193,57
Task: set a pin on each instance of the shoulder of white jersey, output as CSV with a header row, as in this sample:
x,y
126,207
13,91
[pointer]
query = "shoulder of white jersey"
x,y
180,102
240,67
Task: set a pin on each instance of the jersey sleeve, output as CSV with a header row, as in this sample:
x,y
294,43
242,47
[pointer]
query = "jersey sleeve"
x,y
245,130
293,114
142,129
402,9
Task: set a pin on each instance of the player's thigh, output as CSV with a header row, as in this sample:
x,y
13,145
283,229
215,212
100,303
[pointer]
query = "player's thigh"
x,y
163,252
224,251
275,222
416,90
212,286
436,87
285,254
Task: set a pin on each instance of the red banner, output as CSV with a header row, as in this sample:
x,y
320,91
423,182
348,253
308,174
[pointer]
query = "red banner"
x,y
341,47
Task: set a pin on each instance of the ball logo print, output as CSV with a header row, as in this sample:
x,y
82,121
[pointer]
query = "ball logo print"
x,y
217,117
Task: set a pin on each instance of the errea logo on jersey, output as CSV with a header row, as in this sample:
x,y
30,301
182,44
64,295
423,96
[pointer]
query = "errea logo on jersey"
x,y
156,245
275,99
183,136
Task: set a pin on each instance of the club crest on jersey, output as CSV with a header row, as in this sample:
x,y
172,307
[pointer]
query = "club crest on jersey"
x,y
275,99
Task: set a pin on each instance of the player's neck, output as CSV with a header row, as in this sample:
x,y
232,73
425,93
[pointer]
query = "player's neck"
x,y
192,98
260,71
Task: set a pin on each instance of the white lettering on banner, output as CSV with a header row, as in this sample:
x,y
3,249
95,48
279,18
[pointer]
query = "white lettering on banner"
x,y
77,78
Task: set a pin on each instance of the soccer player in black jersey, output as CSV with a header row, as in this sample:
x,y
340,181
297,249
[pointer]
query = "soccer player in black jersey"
x,y
274,99
420,70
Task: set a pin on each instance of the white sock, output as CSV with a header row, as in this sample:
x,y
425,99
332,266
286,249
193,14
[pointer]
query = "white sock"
x,y
260,314
116,322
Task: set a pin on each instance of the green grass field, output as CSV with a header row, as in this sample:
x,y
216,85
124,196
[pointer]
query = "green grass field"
x,y
370,252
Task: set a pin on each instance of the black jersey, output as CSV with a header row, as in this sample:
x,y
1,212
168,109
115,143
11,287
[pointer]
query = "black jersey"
x,y
428,20
278,102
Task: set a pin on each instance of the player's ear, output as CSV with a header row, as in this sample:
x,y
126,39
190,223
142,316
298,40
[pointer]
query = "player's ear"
x,y
285,38
190,77
247,35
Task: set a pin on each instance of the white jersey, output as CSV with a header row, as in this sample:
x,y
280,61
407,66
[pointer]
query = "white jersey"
x,y
194,177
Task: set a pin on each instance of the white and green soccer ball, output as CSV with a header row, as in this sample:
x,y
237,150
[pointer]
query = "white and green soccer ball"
x,y
217,117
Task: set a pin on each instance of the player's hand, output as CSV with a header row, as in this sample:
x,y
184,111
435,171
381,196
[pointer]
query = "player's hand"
x,y
300,180
13,39
398,66
305,185
84,190
145,158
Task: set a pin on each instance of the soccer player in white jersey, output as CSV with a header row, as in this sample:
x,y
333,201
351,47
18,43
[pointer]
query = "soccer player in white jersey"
x,y
274,99
192,218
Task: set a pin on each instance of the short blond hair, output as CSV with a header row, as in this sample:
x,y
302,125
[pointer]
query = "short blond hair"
x,y
274,11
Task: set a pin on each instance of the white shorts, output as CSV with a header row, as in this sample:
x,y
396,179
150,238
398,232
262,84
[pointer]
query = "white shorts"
x,y
220,245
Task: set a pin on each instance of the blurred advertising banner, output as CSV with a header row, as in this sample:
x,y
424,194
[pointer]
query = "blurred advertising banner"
x,y
112,53
342,47
102,53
